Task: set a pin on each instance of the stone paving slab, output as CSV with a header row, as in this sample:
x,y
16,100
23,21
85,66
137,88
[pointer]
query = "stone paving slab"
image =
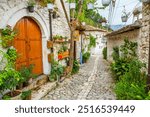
x,y
93,82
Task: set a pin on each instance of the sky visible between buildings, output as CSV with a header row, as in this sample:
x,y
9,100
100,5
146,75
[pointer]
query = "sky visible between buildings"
x,y
115,17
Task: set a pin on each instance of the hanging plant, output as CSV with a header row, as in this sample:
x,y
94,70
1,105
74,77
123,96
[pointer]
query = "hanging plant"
x,y
7,36
31,4
45,2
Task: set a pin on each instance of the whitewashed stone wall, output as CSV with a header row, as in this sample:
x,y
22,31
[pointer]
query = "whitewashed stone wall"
x,y
145,36
118,40
85,42
11,11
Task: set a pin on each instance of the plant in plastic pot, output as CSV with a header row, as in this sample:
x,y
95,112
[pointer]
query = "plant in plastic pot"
x,y
31,4
106,2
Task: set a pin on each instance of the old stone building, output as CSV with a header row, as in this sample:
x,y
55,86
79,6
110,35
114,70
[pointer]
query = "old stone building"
x,y
116,38
139,32
84,41
145,34
15,14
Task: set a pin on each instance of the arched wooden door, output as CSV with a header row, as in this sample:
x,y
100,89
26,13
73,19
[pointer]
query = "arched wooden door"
x,y
29,44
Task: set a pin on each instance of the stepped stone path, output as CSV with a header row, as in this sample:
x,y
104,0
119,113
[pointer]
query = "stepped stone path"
x,y
93,82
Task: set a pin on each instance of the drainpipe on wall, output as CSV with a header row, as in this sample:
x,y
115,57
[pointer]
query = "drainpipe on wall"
x,y
81,50
50,27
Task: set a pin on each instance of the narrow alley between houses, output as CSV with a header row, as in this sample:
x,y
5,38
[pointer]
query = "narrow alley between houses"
x,y
93,82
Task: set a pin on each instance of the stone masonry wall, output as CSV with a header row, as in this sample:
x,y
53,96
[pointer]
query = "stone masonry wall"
x,y
145,35
118,40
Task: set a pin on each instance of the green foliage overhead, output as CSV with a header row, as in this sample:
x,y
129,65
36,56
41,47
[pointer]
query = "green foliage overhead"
x,y
91,17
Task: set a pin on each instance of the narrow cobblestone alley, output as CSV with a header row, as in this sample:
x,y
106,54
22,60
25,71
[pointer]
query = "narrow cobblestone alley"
x,y
92,82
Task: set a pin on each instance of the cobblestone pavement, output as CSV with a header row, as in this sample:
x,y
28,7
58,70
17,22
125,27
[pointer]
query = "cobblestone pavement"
x,y
91,83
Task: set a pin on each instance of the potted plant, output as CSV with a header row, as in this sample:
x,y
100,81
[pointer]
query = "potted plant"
x,y
56,71
9,80
76,67
31,4
50,58
7,36
106,2
26,73
124,18
45,2
26,95
49,44
85,57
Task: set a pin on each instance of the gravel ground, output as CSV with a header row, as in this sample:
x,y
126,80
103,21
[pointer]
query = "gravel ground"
x,y
91,83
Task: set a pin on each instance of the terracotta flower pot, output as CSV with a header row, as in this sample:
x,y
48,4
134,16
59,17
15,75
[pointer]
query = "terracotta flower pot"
x,y
15,95
49,44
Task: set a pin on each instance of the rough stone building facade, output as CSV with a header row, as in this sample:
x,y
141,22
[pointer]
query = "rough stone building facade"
x,y
116,38
12,11
84,41
139,33
145,34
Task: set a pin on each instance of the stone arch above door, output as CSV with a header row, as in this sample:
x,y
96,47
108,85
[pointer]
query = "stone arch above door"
x,y
12,16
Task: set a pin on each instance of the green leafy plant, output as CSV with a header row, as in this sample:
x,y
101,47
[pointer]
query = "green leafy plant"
x,y
26,73
7,36
130,80
92,42
133,83
105,53
26,95
31,2
58,37
76,67
9,79
86,57
56,71
115,53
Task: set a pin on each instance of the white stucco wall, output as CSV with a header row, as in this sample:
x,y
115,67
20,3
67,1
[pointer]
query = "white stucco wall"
x,y
11,11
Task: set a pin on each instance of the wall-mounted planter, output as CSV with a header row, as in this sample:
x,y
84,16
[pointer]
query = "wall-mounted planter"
x,y
50,57
49,44
31,9
16,95
63,55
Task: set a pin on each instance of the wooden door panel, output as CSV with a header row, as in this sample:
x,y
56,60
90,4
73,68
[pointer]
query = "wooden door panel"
x,y
34,31
37,65
35,49
29,44
20,46
20,29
